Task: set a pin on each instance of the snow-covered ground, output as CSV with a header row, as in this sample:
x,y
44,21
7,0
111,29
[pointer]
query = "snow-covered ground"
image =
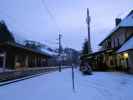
x,y
58,86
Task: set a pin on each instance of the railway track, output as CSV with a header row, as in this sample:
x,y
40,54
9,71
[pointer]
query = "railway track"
x,y
19,75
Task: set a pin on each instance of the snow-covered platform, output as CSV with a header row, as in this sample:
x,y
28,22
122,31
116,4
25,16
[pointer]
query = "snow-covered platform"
x,y
58,86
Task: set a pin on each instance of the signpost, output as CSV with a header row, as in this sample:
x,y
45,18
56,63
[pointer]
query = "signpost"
x,y
73,78
59,61
60,52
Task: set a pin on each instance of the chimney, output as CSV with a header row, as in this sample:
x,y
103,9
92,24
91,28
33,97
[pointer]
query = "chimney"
x,y
117,21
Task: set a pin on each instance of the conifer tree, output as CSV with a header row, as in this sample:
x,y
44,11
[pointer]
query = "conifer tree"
x,y
85,48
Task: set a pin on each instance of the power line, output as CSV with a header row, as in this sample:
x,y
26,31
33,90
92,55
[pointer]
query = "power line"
x,y
54,20
12,19
50,14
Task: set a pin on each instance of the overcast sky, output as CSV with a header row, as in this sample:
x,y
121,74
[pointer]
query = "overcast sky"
x,y
30,19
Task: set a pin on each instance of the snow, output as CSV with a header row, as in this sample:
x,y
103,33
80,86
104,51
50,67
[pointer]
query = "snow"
x,y
58,86
126,46
126,22
45,50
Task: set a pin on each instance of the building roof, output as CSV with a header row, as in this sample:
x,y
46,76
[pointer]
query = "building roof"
x,y
98,53
51,53
17,45
5,34
128,45
14,40
126,22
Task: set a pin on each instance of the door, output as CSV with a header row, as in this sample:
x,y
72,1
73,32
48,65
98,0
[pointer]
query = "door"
x,y
1,61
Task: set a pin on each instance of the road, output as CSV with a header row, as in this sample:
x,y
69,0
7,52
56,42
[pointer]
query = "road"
x,y
58,86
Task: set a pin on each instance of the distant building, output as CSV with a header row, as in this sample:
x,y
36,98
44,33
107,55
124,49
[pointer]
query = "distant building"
x,y
15,56
116,49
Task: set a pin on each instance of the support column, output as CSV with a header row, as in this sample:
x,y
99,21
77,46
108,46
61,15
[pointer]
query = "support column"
x,y
35,61
15,61
4,61
41,61
27,61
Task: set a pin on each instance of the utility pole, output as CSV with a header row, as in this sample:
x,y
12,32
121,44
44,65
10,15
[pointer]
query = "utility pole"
x,y
60,51
88,19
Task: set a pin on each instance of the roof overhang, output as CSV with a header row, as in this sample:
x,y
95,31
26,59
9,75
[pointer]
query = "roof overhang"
x,y
128,45
16,45
89,56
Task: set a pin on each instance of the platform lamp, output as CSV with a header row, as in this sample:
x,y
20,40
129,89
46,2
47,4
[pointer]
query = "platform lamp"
x,y
125,55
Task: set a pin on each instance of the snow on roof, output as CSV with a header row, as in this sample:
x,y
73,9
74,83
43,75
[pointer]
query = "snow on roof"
x,y
126,22
49,52
126,46
18,38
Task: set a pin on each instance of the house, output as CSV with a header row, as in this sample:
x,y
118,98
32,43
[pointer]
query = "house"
x,y
16,56
116,51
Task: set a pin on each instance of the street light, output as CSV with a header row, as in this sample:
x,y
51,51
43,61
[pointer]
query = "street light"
x,y
125,55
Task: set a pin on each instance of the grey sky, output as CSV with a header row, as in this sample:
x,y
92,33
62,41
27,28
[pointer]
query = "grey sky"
x,y
29,19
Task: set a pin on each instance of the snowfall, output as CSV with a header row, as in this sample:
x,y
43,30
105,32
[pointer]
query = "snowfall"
x,y
58,86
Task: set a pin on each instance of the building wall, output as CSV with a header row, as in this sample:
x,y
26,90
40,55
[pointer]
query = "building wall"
x,y
10,60
9,63
17,58
118,38
115,41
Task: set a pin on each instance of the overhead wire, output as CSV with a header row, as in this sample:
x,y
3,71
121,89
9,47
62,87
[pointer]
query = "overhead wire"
x,y
50,14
